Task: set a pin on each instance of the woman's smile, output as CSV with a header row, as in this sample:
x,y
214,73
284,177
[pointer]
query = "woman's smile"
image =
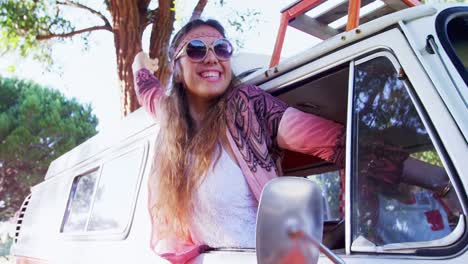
x,y
211,75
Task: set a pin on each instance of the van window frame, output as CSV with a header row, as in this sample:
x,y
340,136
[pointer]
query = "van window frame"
x,y
441,23
110,234
68,210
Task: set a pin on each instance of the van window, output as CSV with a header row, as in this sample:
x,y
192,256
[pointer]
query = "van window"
x,y
104,199
114,196
401,190
79,204
330,184
451,26
457,30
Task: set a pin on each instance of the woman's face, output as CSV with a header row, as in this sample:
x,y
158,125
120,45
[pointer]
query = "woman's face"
x,y
210,77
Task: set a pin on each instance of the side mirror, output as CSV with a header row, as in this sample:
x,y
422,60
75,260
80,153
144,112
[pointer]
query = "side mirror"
x,y
290,223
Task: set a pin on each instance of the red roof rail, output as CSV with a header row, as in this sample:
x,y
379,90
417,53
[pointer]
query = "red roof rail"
x,y
295,15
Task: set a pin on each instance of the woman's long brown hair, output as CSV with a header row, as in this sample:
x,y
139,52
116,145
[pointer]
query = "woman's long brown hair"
x,y
183,154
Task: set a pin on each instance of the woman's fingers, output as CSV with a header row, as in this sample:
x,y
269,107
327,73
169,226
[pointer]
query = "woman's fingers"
x,y
152,64
139,61
142,60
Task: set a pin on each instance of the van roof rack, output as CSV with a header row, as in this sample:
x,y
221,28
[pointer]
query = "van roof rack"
x,y
324,19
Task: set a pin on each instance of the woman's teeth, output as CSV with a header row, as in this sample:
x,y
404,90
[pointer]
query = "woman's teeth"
x,y
210,74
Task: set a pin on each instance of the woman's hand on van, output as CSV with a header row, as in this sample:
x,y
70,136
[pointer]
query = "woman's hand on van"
x,y
142,60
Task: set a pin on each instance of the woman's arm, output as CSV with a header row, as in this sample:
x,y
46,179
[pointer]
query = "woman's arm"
x,y
312,135
147,87
294,130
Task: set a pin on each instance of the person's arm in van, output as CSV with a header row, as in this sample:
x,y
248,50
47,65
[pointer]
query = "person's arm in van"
x,y
431,177
147,87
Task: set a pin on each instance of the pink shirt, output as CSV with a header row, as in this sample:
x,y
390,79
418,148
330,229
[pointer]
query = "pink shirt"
x,y
259,125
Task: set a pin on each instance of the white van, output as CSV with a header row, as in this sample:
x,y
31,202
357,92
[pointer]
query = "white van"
x,y
402,77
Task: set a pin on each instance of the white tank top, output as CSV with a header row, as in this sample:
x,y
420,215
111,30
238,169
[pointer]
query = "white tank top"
x,y
225,210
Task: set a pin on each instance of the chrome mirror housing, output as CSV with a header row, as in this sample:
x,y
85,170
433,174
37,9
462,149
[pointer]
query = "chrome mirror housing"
x,y
290,223
288,205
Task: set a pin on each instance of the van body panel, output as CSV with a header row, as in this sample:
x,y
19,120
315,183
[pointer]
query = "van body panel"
x,y
41,238
42,220
227,257
449,84
250,257
131,125
25,260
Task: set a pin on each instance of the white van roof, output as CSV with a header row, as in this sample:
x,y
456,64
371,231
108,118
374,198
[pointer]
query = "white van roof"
x,y
131,125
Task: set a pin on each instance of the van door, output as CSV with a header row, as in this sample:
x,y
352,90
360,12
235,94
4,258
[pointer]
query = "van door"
x,y
417,211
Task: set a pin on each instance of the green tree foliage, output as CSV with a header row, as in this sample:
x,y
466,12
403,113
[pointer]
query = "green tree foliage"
x,y
329,182
430,157
36,126
22,23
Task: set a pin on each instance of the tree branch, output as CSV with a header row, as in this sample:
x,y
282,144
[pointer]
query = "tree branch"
x,y
70,34
151,17
92,11
143,4
198,10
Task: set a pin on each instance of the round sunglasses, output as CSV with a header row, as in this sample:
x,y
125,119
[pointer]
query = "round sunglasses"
x,y
197,50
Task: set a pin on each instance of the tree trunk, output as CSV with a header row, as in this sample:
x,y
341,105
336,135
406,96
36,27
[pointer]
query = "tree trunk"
x,y
198,10
12,190
160,35
130,19
128,25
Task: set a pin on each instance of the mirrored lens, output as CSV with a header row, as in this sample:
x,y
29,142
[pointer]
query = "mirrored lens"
x,y
223,49
196,49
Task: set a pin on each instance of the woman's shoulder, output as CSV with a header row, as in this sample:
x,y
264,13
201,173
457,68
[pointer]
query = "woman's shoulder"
x,y
255,98
250,88
246,92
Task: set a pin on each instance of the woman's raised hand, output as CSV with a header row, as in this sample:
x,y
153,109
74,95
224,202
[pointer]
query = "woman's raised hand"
x,y
142,60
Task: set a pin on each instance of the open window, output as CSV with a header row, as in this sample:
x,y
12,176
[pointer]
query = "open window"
x,y
323,95
402,196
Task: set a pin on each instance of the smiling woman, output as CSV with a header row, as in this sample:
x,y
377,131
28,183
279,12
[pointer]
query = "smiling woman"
x,y
219,143
206,70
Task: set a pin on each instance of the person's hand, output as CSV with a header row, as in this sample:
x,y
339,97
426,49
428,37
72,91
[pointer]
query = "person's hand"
x,y
142,60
